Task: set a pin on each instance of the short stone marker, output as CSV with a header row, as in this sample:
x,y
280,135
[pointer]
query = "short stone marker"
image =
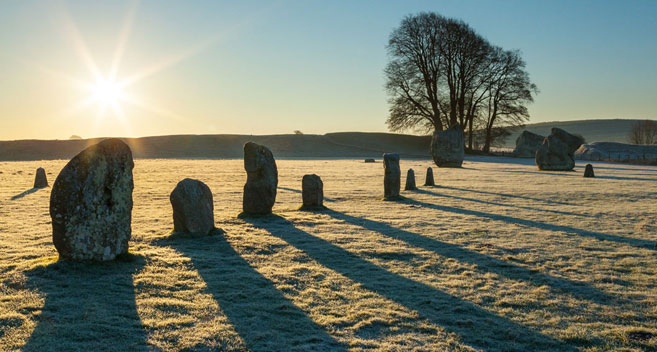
x,y
410,181
262,179
312,192
588,171
91,203
40,179
392,176
370,160
429,179
193,209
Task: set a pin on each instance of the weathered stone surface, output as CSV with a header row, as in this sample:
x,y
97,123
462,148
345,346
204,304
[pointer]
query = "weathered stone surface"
x,y
429,179
262,179
392,176
40,179
91,203
193,208
588,172
527,144
447,147
557,151
410,180
370,160
312,191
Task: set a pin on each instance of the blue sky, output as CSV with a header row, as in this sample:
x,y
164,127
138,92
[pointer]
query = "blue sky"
x,y
261,67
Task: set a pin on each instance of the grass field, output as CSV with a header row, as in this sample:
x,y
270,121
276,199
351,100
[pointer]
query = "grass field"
x,y
497,257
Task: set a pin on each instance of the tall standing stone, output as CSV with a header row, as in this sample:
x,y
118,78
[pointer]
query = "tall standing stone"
x,y
447,147
91,203
193,208
392,176
262,179
312,191
557,153
429,179
410,181
40,179
588,171
527,144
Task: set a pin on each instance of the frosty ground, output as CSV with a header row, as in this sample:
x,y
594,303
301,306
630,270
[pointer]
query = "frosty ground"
x,y
498,256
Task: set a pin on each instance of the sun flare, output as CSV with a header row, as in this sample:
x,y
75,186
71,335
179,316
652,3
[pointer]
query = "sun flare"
x,y
107,92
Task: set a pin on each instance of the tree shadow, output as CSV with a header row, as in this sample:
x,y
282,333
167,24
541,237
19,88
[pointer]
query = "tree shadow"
x,y
501,204
505,195
635,242
483,262
264,318
24,193
89,307
475,326
300,192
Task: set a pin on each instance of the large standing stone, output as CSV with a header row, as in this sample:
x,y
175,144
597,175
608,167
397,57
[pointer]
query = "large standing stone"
x,y
193,209
262,179
392,176
447,147
588,171
429,179
91,203
40,179
557,153
312,191
410,181
527,144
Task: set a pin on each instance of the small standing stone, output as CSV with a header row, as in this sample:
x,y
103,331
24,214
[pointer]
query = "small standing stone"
x,y
370,160
261,181
312,191
410,181
588,172
392,176
429,180
193,209
40,180
91,203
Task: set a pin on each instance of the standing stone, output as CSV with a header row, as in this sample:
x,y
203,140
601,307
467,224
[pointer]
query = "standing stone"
x,y
312,191
410,181
447,147
588,172
370,160
193,209
91,203
40,180
262,179
557,153
392,176
429,180
527,144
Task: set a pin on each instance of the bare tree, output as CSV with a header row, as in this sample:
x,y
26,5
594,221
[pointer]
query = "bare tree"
x,y
442,73
643,132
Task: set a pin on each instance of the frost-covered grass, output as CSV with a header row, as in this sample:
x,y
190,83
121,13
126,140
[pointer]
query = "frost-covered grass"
x,y
498,256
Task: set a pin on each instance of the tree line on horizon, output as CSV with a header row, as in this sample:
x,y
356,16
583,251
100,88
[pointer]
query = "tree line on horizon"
x,y
441,73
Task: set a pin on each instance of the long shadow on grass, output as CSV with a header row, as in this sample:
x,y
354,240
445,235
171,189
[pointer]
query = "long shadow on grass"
x,y
500,204
298,191
484,262
635,242
261,315
24,193
89,307
475,326
504,195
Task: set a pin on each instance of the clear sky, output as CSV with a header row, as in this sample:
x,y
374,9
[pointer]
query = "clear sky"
x,y
261,67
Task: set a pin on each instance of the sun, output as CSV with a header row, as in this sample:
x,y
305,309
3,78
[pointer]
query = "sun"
x,y
107,92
